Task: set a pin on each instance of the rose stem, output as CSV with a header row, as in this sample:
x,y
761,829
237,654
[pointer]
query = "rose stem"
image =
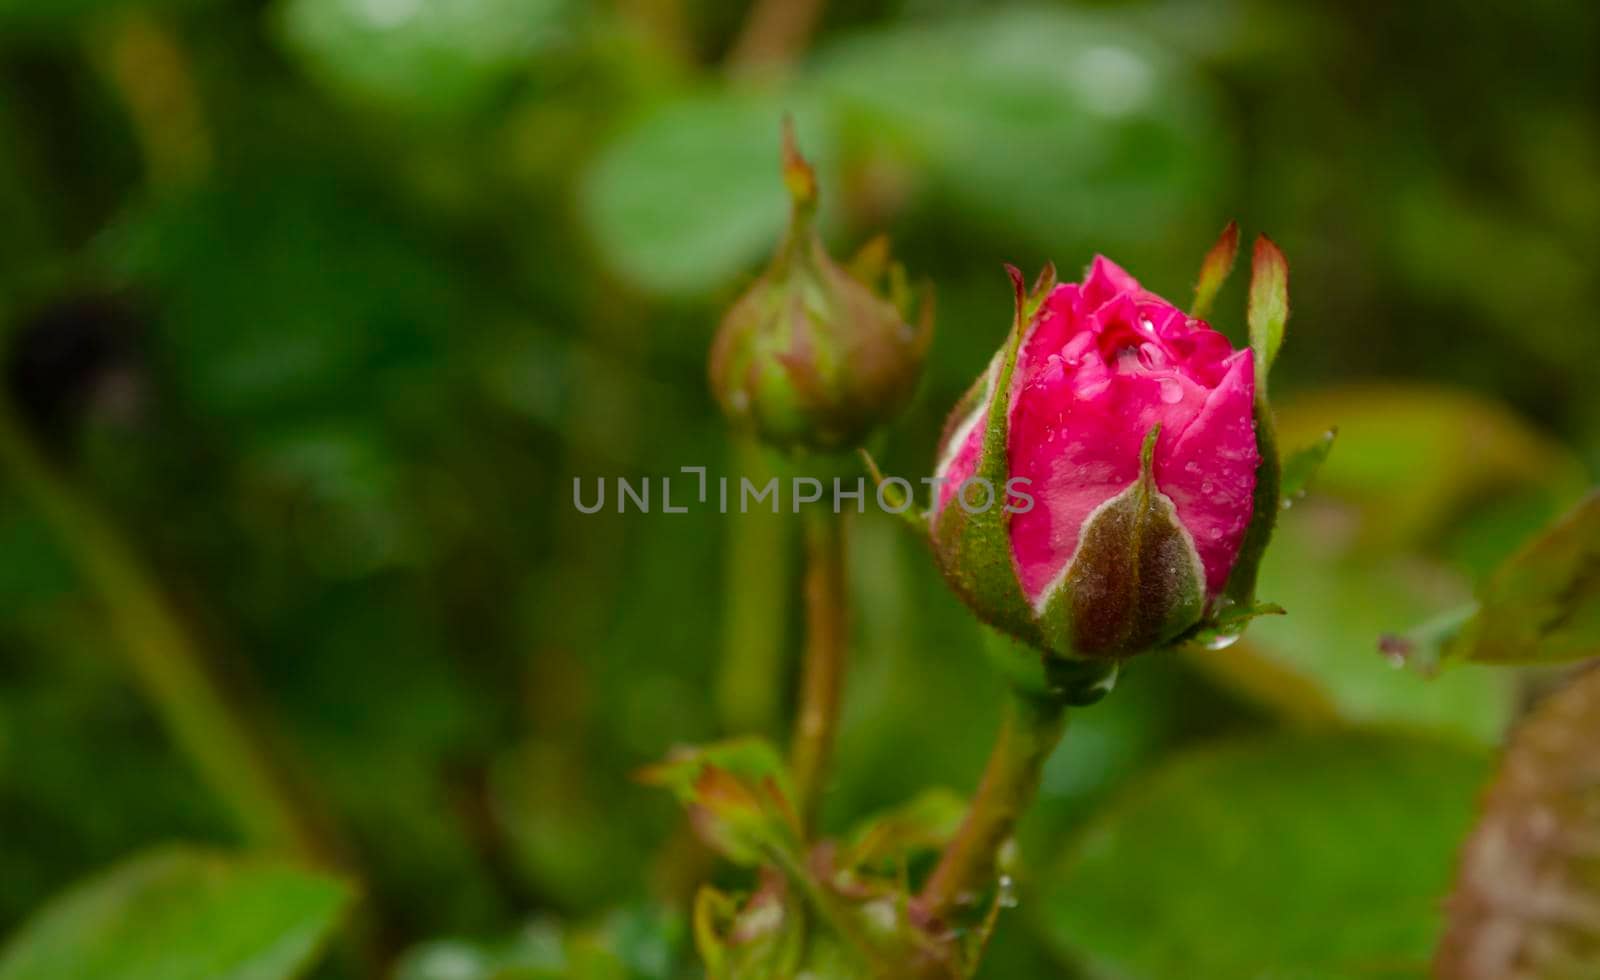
x,y
822,671
1029,730
230,756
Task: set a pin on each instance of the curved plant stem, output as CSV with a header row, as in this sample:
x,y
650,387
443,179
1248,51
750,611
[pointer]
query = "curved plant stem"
x,y
967,870
229,756
822,673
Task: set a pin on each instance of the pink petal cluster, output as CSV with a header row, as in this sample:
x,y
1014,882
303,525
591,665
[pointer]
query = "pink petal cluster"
x,y
1102,362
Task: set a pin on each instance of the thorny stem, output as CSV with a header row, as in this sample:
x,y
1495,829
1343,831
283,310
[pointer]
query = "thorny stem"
x,y
822,673
967,870
165,662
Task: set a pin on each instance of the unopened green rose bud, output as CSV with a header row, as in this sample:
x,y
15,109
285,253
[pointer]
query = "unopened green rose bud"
x,y
815,355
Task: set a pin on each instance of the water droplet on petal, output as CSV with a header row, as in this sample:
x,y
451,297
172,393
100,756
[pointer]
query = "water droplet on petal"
x,y
1171,391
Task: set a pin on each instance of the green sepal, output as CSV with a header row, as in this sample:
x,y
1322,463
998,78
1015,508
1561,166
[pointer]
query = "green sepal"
x,y
1136,582
975,549
1266,313
1267,310
1214,271
1227,624
1240,590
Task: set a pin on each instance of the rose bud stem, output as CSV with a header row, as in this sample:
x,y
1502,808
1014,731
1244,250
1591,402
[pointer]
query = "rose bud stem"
x,y
967,871
822,671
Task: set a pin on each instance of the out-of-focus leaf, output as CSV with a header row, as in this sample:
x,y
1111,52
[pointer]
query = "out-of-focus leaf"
x,y
739,798
1305,857
1057,124
1543,605
1318,665
1301,466
924,823
1415,466
181,915
59,15
762,936
638,942
419,57
536,954
1529,880
1417,460
257,325
691,194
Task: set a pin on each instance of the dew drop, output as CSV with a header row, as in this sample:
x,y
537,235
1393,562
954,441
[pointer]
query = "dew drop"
x,y
1171,391
1207,487
1222,640
1007,896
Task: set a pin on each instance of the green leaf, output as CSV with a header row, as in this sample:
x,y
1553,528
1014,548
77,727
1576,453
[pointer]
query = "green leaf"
x,y
1268,309
418,57
1529,876
181,914
691,194
1543,605
1301,857
1301,466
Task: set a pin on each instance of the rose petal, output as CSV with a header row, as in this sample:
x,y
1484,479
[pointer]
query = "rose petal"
x,y
1210,473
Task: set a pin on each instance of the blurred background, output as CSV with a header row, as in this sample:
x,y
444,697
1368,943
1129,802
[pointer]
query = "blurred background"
x,y
313,310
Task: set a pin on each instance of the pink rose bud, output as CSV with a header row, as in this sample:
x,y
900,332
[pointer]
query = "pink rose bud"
x,y
1128,457
814,356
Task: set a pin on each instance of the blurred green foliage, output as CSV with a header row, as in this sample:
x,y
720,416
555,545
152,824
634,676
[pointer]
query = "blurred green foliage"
x,y
342,295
